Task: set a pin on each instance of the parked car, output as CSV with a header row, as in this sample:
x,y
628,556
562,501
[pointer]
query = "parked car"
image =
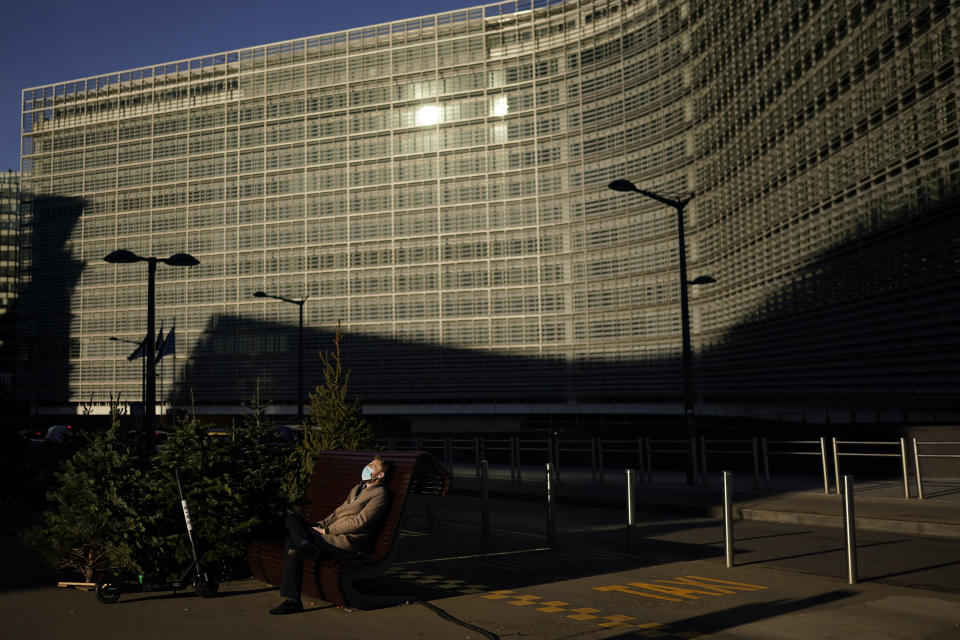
x,y
35,436
59,433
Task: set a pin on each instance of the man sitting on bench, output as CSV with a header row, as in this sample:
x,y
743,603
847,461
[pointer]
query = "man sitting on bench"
x,y
350,530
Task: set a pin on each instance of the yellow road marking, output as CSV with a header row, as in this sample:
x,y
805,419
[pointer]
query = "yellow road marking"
x,y
553,606
743,586
585,613
625,589
524,601
674,591
617,622
678,589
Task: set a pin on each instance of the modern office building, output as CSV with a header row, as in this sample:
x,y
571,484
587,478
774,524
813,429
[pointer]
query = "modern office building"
x,y
9,204
438,187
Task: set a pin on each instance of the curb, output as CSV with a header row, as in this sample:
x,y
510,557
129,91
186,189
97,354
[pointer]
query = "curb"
x,y
907,527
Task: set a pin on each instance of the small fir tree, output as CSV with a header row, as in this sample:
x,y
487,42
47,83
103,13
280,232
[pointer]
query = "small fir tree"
x,y
233,485
92,523
210,487
335,420
260,461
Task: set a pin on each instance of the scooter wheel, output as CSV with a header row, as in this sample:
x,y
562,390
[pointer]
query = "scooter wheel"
x,y
204,585
108,590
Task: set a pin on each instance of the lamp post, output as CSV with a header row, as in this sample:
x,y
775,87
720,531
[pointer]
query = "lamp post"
x,y
125,256
679,205
299,303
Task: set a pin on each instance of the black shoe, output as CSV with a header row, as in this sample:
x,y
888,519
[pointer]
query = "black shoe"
x,y
287,606
305,549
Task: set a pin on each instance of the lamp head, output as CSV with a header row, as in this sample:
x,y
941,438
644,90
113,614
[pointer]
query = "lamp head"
x,y
259,294
622,185
181,260
703,280
121,256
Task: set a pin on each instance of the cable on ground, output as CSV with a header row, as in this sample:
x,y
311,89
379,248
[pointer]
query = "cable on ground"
x,y
446,616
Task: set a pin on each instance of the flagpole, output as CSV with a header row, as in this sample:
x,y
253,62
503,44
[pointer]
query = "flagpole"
x,y
173,391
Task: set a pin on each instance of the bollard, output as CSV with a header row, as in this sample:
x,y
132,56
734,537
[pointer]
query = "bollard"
x,y
850,529
836,465
630,511
755,447
640,460
728,517
903,464
703,461
916,468
430,518
692,471
550,528
648,454
484,499
477,452
823,459
765,457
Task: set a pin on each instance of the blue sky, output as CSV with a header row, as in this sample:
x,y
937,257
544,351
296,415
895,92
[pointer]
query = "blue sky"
x,y
61,40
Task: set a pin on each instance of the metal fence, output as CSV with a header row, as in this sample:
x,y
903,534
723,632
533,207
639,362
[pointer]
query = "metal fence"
x,y
932,446
575,457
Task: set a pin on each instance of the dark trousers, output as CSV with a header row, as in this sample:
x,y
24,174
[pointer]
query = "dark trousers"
x,y
299,531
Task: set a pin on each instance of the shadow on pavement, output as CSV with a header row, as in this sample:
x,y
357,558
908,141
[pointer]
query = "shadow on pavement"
x,y
744,614
128,598
915,570
455,560
818,552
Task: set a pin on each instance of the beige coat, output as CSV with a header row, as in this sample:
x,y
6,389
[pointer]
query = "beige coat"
x,y
355,523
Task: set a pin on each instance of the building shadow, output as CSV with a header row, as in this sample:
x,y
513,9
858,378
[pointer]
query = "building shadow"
x,y
863,333
45,348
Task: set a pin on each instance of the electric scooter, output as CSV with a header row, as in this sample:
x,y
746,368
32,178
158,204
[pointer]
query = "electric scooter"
x,y
109,589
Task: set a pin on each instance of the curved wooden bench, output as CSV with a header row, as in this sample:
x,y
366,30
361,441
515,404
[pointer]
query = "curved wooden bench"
x,y
334,474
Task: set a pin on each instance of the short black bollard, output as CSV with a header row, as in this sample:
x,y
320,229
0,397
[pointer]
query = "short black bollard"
x,y
630,512
550,527
484,499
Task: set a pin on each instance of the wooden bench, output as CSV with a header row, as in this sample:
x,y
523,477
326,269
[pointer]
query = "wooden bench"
x,y
334,473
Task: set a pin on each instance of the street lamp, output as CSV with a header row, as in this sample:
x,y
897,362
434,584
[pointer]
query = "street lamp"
x,y
125,256
679,205
299,303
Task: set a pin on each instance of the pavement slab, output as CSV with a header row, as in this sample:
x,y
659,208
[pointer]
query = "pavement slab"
x,y
789,581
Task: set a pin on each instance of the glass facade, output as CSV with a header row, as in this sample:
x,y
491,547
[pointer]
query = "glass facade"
x,y
438,187
9,203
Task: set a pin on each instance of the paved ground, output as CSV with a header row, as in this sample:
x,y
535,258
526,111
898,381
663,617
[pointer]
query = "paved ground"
x,y
789,582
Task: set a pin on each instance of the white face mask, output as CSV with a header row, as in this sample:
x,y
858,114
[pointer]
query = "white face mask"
x,y
367,473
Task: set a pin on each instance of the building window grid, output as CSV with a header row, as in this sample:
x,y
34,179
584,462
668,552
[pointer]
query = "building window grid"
x,y
99,181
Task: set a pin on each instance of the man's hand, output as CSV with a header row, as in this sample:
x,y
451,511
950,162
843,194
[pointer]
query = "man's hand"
x,y
320,530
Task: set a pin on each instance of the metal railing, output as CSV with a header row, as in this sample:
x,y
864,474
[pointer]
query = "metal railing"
x,y
917,456
692,456
821,452
729,447
902,454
